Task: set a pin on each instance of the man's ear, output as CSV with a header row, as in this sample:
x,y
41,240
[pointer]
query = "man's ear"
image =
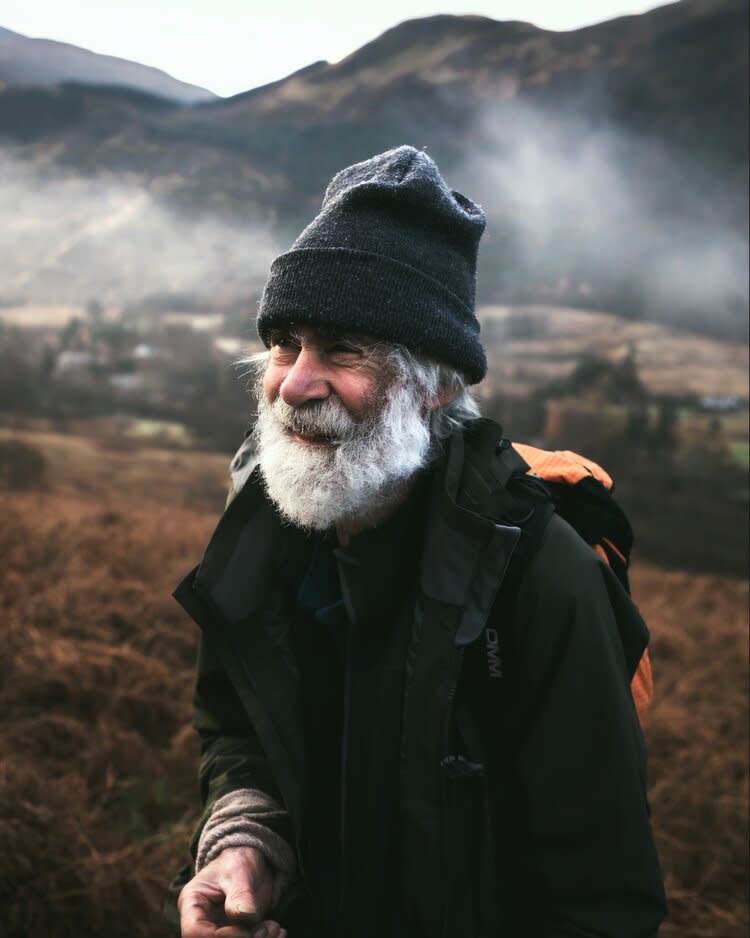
x,y
441,399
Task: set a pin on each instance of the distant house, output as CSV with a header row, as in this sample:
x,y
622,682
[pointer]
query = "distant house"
x,y
73,360
75,368
199,322
720,403
128,383
229,346
143,353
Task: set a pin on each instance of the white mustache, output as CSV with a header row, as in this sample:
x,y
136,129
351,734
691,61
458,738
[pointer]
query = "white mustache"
x,y
328,419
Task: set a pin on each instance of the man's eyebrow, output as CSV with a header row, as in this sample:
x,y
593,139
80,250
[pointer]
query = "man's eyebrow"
x,y
282,332
332,334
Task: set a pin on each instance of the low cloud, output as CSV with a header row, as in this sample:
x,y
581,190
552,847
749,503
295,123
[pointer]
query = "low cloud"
x,y
580,209
67,239
580,213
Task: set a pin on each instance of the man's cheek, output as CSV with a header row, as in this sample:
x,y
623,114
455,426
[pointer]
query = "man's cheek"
x,y
272,381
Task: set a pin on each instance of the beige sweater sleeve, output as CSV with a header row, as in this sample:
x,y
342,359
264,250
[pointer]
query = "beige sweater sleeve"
x,y
237,821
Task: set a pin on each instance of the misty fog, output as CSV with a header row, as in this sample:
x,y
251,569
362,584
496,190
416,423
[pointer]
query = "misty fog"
x,y
66,239
578,209
579,213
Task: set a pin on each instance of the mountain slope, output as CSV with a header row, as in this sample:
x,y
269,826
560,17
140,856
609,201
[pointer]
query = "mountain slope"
x,y
677,71
27,60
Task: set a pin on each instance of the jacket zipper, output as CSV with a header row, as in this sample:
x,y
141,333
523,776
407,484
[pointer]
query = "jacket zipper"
x,y
447,787
343,775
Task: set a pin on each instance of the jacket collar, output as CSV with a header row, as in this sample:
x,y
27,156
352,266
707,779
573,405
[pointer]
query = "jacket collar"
x,y
466,554
243,552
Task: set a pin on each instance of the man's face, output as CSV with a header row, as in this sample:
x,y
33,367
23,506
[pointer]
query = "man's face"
x,y
342,428
306,366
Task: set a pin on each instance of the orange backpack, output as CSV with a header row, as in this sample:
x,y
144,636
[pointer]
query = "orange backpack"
x,y
582,493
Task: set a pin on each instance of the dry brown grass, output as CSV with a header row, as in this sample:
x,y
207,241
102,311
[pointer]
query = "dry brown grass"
x,y
97,761
698,746
97,764
104,464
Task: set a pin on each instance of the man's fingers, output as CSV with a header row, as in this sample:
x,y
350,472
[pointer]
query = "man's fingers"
x,y
232,931
198,913
229,898
203,916
268,929
241,906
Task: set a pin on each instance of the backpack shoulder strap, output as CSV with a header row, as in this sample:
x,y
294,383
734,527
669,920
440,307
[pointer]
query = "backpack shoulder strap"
x,y
496,483
523,485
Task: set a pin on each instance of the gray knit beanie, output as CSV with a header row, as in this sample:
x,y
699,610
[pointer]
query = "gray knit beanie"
x,y
392,254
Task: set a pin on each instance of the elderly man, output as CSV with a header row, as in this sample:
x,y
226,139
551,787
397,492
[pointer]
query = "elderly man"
x,y
395,741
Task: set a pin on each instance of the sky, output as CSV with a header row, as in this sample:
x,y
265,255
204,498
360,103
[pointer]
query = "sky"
x,y
229,46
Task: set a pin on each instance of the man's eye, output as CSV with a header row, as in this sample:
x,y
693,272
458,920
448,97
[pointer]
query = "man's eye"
x,y
284,342
344,348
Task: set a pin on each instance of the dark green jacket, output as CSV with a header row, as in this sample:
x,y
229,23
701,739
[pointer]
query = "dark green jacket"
x,y
530,821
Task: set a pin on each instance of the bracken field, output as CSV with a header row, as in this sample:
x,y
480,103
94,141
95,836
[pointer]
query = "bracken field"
x,y
97,757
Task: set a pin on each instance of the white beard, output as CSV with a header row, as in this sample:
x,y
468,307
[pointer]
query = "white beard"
x,y
359,475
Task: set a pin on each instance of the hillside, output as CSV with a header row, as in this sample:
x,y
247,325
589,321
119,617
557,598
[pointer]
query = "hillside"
x,y
611,160
530,346
26,60
449,67
98,761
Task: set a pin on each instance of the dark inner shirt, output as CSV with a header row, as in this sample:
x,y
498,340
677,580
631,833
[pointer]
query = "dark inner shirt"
x,y
350,635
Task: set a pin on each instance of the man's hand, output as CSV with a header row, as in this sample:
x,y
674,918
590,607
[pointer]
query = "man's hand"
x,y
230,898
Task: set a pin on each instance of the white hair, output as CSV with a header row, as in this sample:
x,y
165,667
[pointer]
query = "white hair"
x,y
435,379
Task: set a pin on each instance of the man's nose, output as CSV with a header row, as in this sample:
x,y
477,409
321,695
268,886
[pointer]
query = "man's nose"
x,y
305,380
